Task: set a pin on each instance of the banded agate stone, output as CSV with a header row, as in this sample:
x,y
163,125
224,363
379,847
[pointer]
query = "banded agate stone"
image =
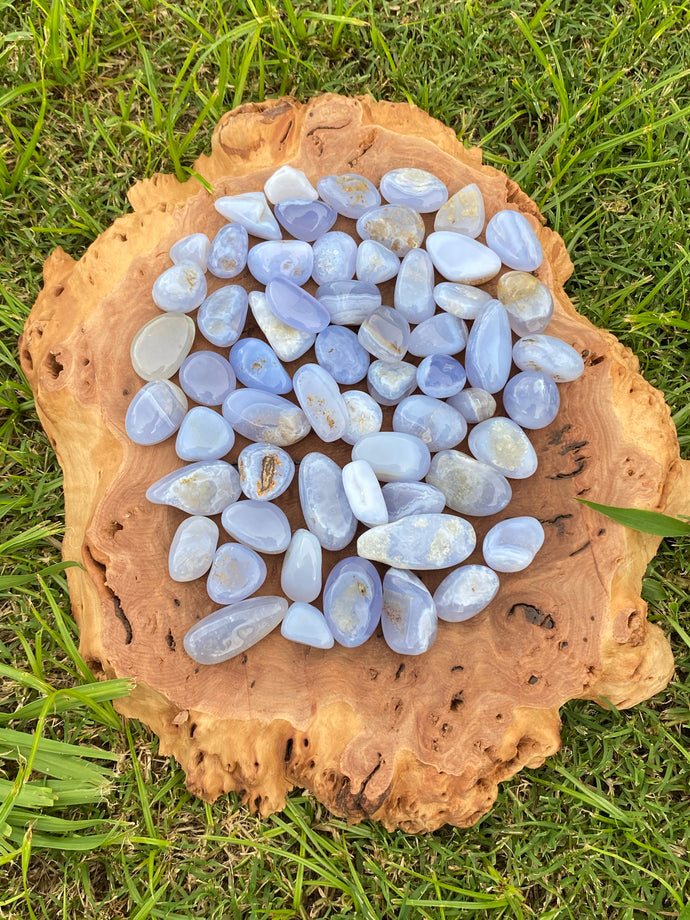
x,y
511,545
260,525
155,413
300,576
204,488
408,617
193,548
251,211
234,629
180,289
305,624
325,507
237,571
352,601
419,541
465,593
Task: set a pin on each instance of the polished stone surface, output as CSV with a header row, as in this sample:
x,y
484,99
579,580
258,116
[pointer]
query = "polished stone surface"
x,y
462,300
155,413
266,471
349,194
325,507
349,302
205,488
338,351
488,353
512,544
288,182
319,396
364,494
436,423
419,541
234,629
460,258
396,227
375,263
295,307
510,235
352,601
161,345
207,377
529,302
465,593
390,381
262,416
180,289
463,212
442,334
193,548
408,618
470,487
550,355
531,399
305,219
222,315
193,248
385,334
290,259
504,446
305,624
251,211
228,254
406,498
335,257
300,576
414,188
237,572
414,287
440,376
475,404
256,365
260,525
204,435
364,416
288,343
394,456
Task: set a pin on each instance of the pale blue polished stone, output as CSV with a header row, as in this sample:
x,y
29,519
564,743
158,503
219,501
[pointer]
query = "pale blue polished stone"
x,y
204,435
385,334
266,471
364,493
352,601
250,210
461,259
394,456
305,219
291,259
161,345
349,194
205,488
349,302
440,376
396,227
528,301
406,498
192,248
415,188
549,355
180,289
408,618
505,446
262,416
222,315
325,507
470,487
419,541
375,264
259,525
295,307
305,624
192,548
436,423
512,544
234,629
207,377
414,287
256,365
319,396
531,399
390,381
237,572
475,404
465,593
286,341
462,300
335,256
338,350
155,413
488,354
440,335
510,235
364,416
463,212
300,576
288,182
228,254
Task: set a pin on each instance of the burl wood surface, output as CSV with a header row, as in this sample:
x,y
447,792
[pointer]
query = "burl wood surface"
x,y
413,742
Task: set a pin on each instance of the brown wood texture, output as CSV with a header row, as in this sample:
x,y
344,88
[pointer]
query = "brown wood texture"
x,y
413,742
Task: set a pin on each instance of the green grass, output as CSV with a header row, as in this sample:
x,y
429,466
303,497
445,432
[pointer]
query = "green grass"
x,y
587,105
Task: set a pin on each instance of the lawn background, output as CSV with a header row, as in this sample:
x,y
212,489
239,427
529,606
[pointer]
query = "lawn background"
x,y
587,106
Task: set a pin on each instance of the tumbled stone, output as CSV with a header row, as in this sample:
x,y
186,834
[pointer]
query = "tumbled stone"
x,y
155,413
463,212
504,446
394,456
296,307
414,287
300,576
305,624
305,219
256,365
414,188
193,248
460,258
408,617
488,353
192,548
207,377
470,487
288,182
180,289
465,593
266,471
290,259
364,493
475,404
262,416
251,211
548,355
233,629
204,435
375,264
338,351
419,541
222,315
286,341
385,334
319,396
237,572
531,399
325,507
349,302
462,300
440,335
396,227
161,345
511,545
352,601
206,488
529,302
228,254
364,416
390,381
405,498
335,256
510,235
350,194
440,376
259,525
436,423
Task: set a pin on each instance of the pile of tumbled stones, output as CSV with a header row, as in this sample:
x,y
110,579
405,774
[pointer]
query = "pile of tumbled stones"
x,y
355,338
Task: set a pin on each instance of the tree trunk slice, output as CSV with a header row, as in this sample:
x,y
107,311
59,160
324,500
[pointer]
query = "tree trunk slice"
x,y
413,742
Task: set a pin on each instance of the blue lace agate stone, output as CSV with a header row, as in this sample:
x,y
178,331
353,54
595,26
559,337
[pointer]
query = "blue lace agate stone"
x,y
300,577
364,493
511,545
531,399
320,399
465,593
396,227
436,423
192,248
470,487
155,413
204,435
207,377
305,624
288,182
375,264
349,302
440,335
233,629
335,256
385,334
180,289
463,212
504,446
222,315
529,302
488,354
414,287
364,416
296,307
325,507
462,300
291,259
408,618
305,219
460,258
510,235
161,345
475,404
338,351
350,194
390,381
440,376
352,601
192,548
419,541
415,188
406,498
549,355
256,365
259,525
251,211
262,416
237,572
228,253
286,341
265,470
205,488
394,456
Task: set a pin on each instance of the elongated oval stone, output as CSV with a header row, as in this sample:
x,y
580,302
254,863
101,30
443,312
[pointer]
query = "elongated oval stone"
x,y
325,507
161,345
207,377
262,416
510,235
259,525
286,341
436,423
349,194
465,593
531,399
228,254
548,355
288,182
414,287
305,219
305,624
349,302
396,227
385,334
364,493
475,404
180,289
352,601
296,307
470,487
375,264
237,572
256,365
390,381
192,548
415,188
394,456
419,541
265,471
529,302
300,577
460,258
251,211
406,498
462,300
155,413
364,416
512,544
440,376
338,351
440,335
222,315
335,256
504,446
204,435
290,259
193,248
205,488
233,629
408,618
488,354
463,212
321,402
